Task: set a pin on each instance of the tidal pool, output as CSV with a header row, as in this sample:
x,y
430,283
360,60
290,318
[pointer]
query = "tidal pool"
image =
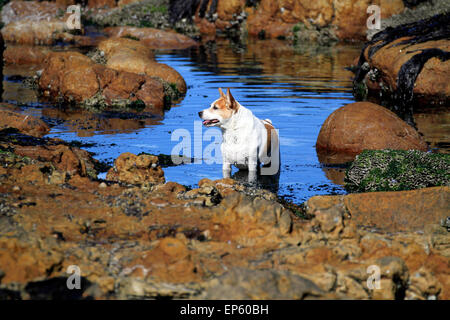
x,y
297,88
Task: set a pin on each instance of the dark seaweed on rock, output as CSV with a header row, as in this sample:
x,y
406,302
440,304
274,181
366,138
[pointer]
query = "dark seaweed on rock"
x,y
431,29
410,71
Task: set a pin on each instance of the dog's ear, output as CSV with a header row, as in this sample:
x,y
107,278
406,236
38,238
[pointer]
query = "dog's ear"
x,y
222,95
231,103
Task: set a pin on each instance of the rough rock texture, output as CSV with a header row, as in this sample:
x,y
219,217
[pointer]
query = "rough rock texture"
x,y
388,170
41,32
220,240
129,55
75,78
364,125
301,19
25,124
25,54
153,38
132,169
388,211
30,10
407,65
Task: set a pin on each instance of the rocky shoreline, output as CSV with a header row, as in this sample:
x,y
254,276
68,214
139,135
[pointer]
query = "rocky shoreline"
x,y
134,235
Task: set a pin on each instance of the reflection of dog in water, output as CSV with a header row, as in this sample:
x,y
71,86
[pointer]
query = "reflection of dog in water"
x,y
268,182
247,141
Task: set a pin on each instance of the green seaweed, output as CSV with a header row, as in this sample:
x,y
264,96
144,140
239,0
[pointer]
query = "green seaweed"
x,y
397,170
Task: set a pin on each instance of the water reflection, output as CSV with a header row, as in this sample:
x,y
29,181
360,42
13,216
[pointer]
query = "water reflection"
x,y
296,88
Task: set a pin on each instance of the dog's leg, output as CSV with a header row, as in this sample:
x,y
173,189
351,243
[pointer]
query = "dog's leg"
x,y
253,165
226,169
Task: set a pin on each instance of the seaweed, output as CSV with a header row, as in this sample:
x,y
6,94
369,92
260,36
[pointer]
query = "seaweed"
x,y
396,170
434,28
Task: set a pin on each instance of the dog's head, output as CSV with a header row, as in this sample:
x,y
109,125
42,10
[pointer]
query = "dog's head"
x,y
220,111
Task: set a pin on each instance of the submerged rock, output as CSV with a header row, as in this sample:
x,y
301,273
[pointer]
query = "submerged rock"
x,y
363,125
390,170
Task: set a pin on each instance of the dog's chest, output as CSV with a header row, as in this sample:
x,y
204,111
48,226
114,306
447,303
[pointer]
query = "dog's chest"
x,y
235,146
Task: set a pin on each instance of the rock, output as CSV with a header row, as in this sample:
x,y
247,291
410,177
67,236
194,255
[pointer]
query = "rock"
x,y
341,19
26,124
132,169
407,66
388,170
153,38
25,54
134,56
36,32
30,10
77,79
96,4
245,284
363,125
387,211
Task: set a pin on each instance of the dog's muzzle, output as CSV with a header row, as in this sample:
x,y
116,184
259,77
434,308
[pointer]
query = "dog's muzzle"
x,y
200,114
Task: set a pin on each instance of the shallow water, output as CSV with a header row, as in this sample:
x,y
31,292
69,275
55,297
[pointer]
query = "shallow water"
x,y
296,89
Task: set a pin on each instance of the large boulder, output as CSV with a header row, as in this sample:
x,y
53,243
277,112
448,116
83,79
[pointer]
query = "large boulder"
x,y
407,65
30,10
363,125
129,55
75,78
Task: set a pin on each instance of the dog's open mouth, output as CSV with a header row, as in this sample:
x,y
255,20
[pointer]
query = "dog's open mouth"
x,y
209,122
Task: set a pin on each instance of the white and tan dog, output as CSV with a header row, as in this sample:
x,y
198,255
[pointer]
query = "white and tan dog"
x,y
247,141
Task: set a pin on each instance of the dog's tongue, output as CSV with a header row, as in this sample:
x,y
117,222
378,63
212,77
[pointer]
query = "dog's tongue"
x,y
205,122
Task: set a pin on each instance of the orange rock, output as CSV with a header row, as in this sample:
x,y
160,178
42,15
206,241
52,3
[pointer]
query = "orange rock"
x,y
77,78
226,9
30,10
364,125
26,124
25,54
153,38
133,56
96,4
431,83
388,211
133,169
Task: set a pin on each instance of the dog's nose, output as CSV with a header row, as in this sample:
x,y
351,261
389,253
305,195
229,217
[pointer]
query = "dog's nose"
x,y
200,114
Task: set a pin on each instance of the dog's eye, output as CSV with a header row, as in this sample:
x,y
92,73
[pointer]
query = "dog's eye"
x,y
215,108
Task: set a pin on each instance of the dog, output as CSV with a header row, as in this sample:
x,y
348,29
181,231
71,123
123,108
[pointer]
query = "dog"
x,y
247,141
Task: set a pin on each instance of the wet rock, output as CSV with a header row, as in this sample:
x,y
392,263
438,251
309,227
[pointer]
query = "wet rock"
x,y
407,66
388,170
134,56
25,54
153,38
245,284
30,10
36,32
387,211
364,125
49,155
75,78
132,169
339,19
25,124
